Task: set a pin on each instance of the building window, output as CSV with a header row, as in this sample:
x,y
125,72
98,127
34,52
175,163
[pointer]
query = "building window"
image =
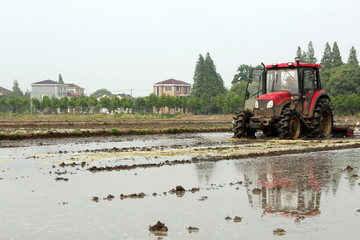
x,y
177,88
168,88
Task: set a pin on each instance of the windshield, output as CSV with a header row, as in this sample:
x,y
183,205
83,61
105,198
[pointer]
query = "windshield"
x,y
254,88
282,79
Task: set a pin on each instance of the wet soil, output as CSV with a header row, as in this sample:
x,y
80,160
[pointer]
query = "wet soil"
x,y
123,184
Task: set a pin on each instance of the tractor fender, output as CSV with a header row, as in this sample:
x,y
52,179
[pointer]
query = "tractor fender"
x,y
281,106
315,99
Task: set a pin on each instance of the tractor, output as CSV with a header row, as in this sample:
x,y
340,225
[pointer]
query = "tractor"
x,y
285,100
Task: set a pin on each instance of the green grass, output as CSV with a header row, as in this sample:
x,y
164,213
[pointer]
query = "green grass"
x,y
172,130
114,131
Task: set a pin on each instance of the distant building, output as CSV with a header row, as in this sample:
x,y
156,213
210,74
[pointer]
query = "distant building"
x,y
174,88
48,88
4,90
74,90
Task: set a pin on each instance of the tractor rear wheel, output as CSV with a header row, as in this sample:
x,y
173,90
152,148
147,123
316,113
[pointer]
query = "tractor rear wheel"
x,y
241,124
290,124
322,120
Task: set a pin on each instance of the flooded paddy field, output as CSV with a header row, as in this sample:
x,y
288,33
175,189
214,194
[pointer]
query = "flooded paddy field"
x,y
197,185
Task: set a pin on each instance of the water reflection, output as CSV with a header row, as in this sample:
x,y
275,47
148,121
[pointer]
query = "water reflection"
x,y
204,171
289,186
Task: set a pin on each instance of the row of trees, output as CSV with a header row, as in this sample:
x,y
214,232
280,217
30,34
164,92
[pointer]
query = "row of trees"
x,y
209,95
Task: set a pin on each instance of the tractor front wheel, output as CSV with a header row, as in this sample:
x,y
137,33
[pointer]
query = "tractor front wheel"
x,y
241,124
322,120
290,124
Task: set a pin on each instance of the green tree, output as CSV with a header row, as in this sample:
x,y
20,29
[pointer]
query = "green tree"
x,y
60,79
345,80
220,102
353,57
16,91
82,102
140,104
326,60
206,79
55,104
93,103
298,52
105,102
73,104
311,53
100,93
242,73
115,103
336,57
64,104
151,102
194,104
45,104
35,104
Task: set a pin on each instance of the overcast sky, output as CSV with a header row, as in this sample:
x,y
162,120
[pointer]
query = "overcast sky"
x,y
132,44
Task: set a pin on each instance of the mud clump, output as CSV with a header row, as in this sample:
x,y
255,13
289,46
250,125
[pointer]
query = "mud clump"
x,y
158,227
237,219
194,190
109,197
228,218
61,179
279,231
256,191
179,191
139,195
95,199
349,168
192,229
203,198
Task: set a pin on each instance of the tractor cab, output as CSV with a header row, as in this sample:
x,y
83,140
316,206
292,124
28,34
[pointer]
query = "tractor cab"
x,y
287,90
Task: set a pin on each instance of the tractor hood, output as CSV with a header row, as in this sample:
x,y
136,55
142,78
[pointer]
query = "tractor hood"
x,y
277,97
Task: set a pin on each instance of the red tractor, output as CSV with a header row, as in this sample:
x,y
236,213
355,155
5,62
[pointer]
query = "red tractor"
x,y
285,100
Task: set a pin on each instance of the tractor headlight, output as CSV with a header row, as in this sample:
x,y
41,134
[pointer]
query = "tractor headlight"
x,y
256,104
270,104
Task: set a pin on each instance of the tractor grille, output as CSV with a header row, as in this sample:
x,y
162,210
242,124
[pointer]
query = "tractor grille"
x,y
262,110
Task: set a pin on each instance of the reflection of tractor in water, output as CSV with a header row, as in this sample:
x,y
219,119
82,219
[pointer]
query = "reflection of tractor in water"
x,y
282,193
285,100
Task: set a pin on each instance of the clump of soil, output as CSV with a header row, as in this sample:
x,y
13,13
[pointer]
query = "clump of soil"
x,y
179,191
228,218
279,231
139,195
256,191
61,179
349,168
95,199
109,197
193,190
158,227
193,229
237,219
203,198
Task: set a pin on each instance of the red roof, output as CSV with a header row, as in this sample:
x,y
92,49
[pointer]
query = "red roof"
x,y
4,90
172,81
294,64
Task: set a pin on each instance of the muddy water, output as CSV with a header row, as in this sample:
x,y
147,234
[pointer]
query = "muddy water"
x,y
48,192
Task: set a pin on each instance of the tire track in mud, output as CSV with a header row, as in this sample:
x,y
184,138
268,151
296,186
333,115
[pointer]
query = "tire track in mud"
x,y
235,156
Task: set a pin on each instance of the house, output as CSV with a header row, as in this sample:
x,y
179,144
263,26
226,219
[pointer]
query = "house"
x,y
74,90
174,88
48,88
4,90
